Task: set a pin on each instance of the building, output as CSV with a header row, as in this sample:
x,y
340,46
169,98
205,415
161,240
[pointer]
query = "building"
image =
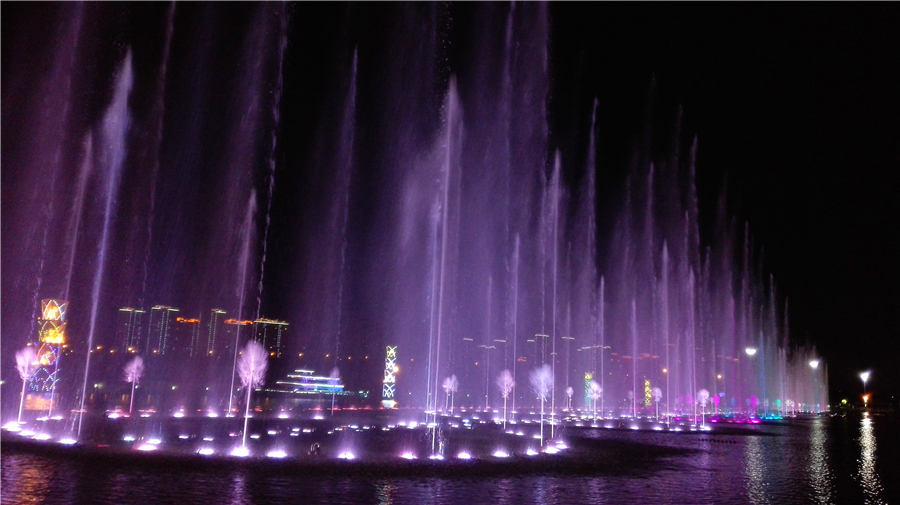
x,y
214,331
160,338
187,337
130,329
270,333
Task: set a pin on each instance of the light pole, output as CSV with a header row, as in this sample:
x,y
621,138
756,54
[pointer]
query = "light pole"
x,y
865,378
814,364
487,372
750,351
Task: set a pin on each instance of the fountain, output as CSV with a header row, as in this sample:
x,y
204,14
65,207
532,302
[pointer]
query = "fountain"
x,y
422,204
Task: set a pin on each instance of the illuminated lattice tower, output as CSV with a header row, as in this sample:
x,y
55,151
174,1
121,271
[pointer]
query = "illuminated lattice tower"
x,y
51,338
388,387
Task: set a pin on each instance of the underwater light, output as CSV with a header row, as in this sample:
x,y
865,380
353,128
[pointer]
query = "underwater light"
x,y
240,452
206,451
278,453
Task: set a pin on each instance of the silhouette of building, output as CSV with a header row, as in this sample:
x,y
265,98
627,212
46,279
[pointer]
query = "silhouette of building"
x,y
270,333
160,339
129,329
214,331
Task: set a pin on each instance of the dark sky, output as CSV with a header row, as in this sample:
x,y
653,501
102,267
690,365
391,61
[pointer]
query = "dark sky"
x,y
796,109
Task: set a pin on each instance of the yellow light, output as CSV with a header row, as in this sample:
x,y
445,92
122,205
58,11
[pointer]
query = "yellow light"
x,y
665,370
719,376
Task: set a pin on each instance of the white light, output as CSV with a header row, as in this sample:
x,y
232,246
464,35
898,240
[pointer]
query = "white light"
x,y
184,437
128,438
240,452
551,450
531,452
408,455
865,376
500,453
145,415
436,456
814,363
346,455
42,436
12,426
26,433
750,351
463,455
283,415
276,454
318,417
207,439
212,414
68,441
255,436
147,447
206,451
154,441
113,415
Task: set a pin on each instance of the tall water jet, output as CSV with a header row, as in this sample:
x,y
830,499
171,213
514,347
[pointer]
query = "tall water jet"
x,y
26,365
252,370
506,383
133,372
542,383
114,128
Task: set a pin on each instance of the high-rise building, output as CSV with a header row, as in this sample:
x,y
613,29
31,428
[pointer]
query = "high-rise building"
x,y
270,333
187,337
129,329
214,332
159,338
236,332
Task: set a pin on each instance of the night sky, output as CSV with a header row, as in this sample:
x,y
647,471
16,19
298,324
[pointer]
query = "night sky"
x,y
795,107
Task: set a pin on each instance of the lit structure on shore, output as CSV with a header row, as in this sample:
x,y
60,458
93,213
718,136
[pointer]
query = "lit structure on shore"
x,y
51,339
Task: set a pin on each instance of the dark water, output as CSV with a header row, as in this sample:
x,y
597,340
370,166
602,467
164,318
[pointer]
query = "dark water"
x,y
826,460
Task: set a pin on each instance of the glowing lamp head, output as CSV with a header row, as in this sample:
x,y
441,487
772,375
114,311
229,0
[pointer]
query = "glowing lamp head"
x,y
865,376
750,351
814,363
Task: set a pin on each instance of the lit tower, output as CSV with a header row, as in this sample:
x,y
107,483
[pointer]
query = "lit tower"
x,y
270,334
159,338
388,387
51,339
213,330
129,328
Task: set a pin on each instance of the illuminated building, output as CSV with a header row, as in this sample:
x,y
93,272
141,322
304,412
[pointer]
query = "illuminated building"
x,y
159,338
187,337
270,333
214,330
234,335
389,385
51,339
129,328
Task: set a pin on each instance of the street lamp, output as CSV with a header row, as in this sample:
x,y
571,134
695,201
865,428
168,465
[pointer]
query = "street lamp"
x,y
487,373
865,378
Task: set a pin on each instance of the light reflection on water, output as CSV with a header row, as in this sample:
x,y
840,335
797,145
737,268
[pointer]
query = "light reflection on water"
x,y
868,477
818,468
754,475
788,463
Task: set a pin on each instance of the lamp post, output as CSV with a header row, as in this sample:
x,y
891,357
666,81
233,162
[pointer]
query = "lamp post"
x,y
865,378
487,372
750,351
